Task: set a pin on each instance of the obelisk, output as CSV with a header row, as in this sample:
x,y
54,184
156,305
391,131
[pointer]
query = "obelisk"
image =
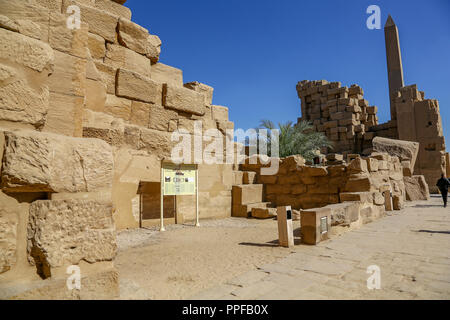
x,y
394,61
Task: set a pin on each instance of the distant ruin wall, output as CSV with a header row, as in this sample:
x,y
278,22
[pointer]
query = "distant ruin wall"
x,y
346,118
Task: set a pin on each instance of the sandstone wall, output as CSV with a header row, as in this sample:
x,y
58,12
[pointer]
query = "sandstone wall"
x,y
346,118
419,120
363,179
86,116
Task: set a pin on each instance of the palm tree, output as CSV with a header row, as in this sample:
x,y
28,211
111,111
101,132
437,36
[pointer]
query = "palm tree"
x,y
297,139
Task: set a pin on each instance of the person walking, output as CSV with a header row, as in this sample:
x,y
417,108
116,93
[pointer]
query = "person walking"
x,y
443,184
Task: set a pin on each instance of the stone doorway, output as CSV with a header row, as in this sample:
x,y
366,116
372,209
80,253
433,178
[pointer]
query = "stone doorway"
x,y
149,197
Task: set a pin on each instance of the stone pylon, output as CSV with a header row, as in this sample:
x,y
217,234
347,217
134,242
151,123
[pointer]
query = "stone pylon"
x,y
394,61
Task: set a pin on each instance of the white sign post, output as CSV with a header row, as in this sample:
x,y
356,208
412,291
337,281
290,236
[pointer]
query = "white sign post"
x,y
179,180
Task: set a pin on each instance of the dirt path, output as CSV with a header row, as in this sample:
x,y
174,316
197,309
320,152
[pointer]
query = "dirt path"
x,y
185,260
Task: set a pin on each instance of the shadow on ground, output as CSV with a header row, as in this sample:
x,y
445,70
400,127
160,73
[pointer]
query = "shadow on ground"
x,y
433,231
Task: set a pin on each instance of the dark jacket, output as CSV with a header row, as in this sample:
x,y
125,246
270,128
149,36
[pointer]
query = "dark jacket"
x,y
443,184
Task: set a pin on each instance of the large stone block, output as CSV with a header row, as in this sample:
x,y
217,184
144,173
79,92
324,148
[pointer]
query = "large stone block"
x,y
219,113
70,41
162,119
97,47
69,75
100,22
183,99
25,64
118,107
65,232
9,210
134,86
247,194
203,89
114,7
312,222
416,188
137,38
45,162
121,57
32,20
404,150
65,114
166,74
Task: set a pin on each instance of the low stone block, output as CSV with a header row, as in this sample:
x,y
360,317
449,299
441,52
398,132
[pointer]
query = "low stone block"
x,y
65,232
45,162
315,225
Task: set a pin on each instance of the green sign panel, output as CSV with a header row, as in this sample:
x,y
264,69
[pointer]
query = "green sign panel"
x,y
179,180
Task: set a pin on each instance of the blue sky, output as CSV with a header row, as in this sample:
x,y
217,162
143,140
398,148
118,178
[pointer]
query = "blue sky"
x,y
254,52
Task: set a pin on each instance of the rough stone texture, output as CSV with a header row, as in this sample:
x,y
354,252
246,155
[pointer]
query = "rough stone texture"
x,y
134,86
203,89
166,74
96,46
137,38
35,162
8,232
103,285
183,99
100,22
25,64
416,188
121,57
405,150
65,232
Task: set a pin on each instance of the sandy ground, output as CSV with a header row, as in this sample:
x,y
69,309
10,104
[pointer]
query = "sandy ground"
x,y
184,260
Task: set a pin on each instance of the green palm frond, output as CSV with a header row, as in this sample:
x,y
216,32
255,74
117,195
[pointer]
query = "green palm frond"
x,y
297,139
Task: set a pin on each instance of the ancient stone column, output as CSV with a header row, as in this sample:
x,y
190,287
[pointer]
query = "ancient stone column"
x,y
394,61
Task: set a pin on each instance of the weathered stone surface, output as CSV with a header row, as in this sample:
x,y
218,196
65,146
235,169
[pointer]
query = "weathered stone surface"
x,y
69,75
183,99
156,142
219,113
95,98
114,7
96,45
32,20
134,37
166,74
405,150
416,188
70,41
118,107
314,171
247,194
162,119
64,114
134,86
100,22
121,57
140,112
21,99
34,162
65,232
8,231
203,89
107,75
264,213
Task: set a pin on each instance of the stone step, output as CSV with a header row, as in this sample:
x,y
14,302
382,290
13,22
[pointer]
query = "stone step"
x,y
245,210
264,213
247,193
